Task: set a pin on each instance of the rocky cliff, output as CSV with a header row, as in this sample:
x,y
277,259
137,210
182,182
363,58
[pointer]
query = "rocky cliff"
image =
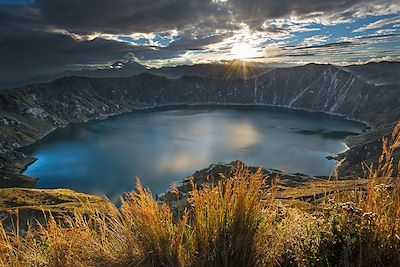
x,y
30,112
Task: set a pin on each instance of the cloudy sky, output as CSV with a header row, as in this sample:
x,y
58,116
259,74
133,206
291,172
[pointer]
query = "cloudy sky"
x,y
39,37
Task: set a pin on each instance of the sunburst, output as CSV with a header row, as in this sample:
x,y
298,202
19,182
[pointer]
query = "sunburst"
x,y
243,51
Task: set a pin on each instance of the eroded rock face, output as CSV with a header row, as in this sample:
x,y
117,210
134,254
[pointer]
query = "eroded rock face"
x,y
30,112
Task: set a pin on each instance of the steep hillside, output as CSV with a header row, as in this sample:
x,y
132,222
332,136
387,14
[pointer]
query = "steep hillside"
x,y
382,73
28,113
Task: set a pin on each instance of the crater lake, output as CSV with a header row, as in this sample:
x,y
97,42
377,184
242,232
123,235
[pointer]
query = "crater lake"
x,y
166,144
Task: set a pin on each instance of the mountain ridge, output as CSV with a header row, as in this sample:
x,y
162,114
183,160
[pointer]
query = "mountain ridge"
x,y
384,72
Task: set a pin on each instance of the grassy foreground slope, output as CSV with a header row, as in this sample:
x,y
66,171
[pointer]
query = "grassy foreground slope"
x,y
243,220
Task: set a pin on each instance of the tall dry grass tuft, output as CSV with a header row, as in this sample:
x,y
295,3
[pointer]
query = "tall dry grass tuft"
x,y
160,239
8,248
382,202
225,220
365,226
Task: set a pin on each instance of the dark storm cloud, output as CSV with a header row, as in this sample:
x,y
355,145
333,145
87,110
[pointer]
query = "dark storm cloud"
x,y
275,9
18,17
152,53
256,11
329,45
317,50
373,36
189,43
49,53
30,47
127,16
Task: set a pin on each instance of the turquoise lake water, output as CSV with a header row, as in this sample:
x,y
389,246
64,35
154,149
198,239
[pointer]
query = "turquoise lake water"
x,y
160,146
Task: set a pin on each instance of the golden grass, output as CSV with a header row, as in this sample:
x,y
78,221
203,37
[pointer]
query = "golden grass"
x,y
54,200
241,221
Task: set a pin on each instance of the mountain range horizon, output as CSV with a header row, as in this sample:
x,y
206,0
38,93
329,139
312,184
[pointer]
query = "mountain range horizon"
x,y
222,69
